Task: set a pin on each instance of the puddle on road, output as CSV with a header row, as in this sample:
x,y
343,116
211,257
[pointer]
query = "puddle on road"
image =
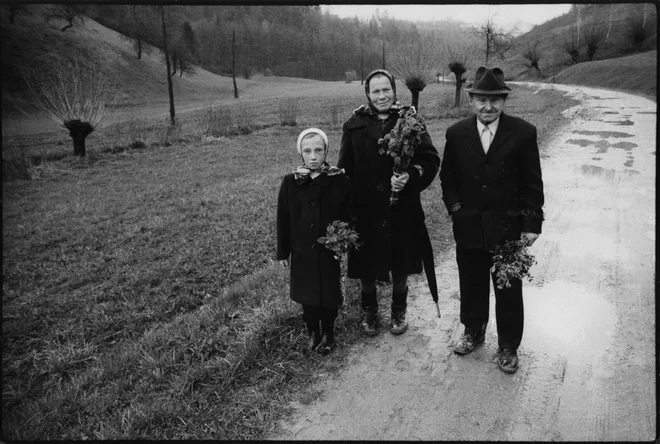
x,y
624,145
619,122
603,134
580,142
607,174
602,145
568,319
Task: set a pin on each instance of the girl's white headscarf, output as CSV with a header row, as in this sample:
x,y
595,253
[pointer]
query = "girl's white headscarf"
x,y
312,131
302,172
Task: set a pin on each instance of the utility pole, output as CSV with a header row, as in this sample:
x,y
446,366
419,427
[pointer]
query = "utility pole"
x,y
167,64
362,66
233,62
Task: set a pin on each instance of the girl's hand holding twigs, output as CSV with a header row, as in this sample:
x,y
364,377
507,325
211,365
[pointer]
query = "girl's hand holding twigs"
x,y
284,263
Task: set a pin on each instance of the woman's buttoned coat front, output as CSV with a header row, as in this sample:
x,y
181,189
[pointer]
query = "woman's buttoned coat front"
x,y
305,208
386,231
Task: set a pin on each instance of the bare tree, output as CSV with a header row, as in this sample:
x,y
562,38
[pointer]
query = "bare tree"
x,y
578,21
415,63
457,55
496,42
14,10
638,30
139,29
75,96
594,36
70,13
571,44
533,56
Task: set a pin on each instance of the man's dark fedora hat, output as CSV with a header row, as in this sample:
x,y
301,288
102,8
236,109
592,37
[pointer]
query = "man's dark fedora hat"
x,y
488,81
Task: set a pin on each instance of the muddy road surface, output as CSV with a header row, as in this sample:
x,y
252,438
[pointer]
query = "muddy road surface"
x,y
587,359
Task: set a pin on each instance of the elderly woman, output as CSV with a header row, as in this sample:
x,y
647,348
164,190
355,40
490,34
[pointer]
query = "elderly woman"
x,y
395,237
310,198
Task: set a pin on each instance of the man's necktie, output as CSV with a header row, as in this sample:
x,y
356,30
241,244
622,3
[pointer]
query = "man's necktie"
x,y
486,138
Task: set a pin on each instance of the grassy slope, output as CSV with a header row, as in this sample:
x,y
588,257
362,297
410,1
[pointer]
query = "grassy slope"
x,y
553,33
635,74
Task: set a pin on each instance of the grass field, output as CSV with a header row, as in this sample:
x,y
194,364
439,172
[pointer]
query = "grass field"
x,y
140,299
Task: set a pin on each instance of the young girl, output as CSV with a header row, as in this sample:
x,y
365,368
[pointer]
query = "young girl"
x,y
310,198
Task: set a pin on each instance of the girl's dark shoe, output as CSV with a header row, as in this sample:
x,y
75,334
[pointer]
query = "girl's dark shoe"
x,y
327,344
328,341
314,337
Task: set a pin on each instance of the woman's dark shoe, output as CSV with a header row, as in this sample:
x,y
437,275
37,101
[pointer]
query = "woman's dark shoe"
x,y
508,360
398,323
369,322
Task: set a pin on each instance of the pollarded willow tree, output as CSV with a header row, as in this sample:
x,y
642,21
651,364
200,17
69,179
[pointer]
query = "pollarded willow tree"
x,y
458,54
533,54
416,64
75,96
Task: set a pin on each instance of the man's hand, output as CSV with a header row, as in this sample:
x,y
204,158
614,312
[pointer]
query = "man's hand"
x,y
400,181
284,263
529,237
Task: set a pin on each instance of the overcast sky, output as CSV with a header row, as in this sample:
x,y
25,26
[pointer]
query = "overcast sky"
x,y
504,15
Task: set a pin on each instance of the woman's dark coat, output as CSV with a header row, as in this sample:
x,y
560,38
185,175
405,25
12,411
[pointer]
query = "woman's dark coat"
x,y
501,192
375,220
305,208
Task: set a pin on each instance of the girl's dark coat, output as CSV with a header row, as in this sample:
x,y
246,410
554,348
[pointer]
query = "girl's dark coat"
x,y
375,220
304,210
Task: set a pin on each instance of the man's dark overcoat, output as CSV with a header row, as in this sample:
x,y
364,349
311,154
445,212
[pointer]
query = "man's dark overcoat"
x,y
375,220
501,192
305,208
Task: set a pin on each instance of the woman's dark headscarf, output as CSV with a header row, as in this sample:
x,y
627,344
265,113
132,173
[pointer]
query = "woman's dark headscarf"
x,y
384,72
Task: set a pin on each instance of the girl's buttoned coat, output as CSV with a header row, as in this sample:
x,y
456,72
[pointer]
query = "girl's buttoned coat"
x,y
386,231
305,208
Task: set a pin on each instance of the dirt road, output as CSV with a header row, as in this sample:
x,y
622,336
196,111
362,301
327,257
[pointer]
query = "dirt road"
x,y
588,351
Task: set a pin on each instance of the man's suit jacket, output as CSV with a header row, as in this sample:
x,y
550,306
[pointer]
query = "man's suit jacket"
x,y
501,192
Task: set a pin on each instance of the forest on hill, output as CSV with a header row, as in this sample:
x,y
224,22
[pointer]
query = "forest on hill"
x,y
305,41
287,40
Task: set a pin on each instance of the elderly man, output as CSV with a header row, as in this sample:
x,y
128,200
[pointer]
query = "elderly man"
x,y
395,237
492,187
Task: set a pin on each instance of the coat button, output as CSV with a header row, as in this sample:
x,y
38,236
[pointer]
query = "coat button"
x,y
312,203
380,187
485,187
311,224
